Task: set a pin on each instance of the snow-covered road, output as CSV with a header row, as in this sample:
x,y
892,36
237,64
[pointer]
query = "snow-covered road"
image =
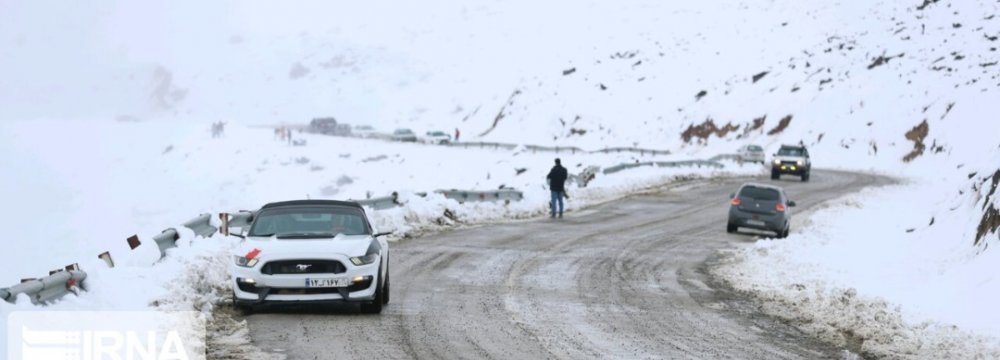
x,y
621,280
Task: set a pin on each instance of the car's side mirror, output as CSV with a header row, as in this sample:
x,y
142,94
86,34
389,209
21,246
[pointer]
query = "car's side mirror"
x,y
791,203
383,234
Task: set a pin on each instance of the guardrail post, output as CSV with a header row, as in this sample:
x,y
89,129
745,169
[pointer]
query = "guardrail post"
x,y
106,256
133,242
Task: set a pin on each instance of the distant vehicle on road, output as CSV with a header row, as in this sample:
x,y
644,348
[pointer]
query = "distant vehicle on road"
x,y
364,131
751,153
320,251
325,126
404,135
329,126
437,138
761,207
792,160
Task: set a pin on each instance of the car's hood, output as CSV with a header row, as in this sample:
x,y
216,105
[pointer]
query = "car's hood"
x,y
271,247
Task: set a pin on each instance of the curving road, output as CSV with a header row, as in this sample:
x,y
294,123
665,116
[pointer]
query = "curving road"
x,y
620,280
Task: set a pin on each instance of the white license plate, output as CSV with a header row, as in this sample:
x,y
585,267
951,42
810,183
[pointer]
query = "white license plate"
x,y
328,283
755,222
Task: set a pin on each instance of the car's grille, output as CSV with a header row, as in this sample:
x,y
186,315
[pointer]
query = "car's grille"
x,y
303,267
789,163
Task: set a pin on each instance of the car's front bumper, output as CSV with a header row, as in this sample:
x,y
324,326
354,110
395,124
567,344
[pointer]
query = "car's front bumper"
x,y
746,219
291,288
793,169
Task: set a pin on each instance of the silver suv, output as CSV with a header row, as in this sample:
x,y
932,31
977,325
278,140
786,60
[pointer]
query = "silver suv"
x,y
761,207
791,160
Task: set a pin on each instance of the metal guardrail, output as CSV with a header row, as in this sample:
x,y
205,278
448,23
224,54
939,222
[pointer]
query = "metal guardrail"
x,y
712,162
380,203
585,176
46,289
202,225
721,157
462,196
558,149
554,149
483,145
698,163
641,151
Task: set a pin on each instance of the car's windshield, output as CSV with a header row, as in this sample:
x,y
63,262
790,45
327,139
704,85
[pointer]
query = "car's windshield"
x,y
437,133
310,222
790,151
758,193
755,148
403,132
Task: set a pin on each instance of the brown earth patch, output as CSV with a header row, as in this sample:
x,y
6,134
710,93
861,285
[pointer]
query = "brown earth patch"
x,y
917,135
753,126
706,129
502,113
781,125
991,216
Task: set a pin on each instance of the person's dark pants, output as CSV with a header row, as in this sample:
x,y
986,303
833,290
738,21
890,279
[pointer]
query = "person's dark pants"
x,y
557,197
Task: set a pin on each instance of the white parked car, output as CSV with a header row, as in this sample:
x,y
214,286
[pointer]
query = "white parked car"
x,y
751,153
437,138
404,135
315,251
364,131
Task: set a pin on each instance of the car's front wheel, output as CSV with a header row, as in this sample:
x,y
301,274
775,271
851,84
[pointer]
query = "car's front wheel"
x,y
805,176
385,290
775,175
375,306
730,228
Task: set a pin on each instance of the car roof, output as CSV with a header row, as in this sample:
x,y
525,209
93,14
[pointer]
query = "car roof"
x,y
793,146
759,185
295,203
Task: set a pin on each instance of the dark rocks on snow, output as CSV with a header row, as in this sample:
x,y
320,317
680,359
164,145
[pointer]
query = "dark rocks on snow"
x,y
700,95
569,71
759,76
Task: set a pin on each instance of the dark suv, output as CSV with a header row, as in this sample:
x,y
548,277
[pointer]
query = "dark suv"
x,y
791,160
761,207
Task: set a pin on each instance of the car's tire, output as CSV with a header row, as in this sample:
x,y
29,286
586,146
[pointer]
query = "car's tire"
x,y
385,288
730,228
805,176
775,175
375,306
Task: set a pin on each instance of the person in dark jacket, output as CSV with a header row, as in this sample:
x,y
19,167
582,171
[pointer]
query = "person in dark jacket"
x,y
557,184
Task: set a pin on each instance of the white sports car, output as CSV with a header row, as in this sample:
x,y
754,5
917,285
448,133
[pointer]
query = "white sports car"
x,y
311,251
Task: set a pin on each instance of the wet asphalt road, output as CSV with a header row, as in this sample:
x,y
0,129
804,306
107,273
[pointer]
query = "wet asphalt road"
x,y
621,280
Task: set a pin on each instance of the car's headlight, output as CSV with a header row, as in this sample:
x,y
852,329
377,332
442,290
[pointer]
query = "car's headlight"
x,y
244,262
777,162
799,162
364,260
